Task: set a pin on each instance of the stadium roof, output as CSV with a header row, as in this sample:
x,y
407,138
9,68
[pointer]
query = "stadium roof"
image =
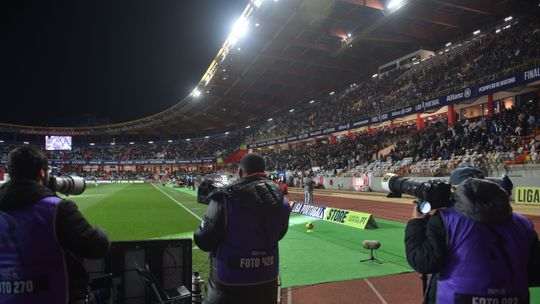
x,y
284,53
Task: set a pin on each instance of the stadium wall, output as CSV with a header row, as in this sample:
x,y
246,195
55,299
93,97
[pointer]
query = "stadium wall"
x,y
528,177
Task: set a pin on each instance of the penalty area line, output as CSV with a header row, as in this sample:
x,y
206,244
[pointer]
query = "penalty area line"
x,y
178,203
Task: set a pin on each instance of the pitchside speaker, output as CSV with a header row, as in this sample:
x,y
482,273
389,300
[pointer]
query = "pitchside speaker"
x,y
168,260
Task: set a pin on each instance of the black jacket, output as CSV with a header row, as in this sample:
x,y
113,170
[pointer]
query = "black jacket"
x,y
260,196
75,235
480,200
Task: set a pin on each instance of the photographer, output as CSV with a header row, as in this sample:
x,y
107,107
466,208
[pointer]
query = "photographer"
x,y
477,250
241,230
42,237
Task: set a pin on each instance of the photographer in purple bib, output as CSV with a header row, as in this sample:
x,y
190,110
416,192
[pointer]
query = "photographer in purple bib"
x,y
475,247
43,237
241,230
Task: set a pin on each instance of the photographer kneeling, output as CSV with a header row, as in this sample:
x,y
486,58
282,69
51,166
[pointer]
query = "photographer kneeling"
x,y
42,237
477,250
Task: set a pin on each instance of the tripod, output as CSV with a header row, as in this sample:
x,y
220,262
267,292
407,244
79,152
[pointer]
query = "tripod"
x,y
372,257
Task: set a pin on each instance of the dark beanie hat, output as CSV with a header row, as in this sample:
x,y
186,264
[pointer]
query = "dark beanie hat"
x,y
459,175
252,163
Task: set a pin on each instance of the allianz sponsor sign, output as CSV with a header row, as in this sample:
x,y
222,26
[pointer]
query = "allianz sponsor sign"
x,y
466,93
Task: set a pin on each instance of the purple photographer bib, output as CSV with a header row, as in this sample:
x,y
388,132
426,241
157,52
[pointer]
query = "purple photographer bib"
x,y
249,252
32,267
485,264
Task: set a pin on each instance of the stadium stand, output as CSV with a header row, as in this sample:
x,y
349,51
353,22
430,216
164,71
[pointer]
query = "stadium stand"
x,y
505,138
485,57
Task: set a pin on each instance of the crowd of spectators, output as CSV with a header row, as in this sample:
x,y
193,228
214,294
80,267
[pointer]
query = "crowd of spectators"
x,y
480,59
178,150
469,142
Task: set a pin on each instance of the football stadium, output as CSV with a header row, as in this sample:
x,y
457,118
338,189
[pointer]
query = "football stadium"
x,y
317,151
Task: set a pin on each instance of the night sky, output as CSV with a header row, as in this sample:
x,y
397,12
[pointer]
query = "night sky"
x,y
74,62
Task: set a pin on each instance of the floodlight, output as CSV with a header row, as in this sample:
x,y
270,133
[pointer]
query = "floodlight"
x,y
476,32
170,140
269,119
257,24
331,93
508,18
291,110
131,143
196,93
188,139
497,31
1,141
150,142
374,75
448,44
92,144
26,143
112,144
207,137
349,35
312,101
257,3
395,4
227,133
240,27
247,127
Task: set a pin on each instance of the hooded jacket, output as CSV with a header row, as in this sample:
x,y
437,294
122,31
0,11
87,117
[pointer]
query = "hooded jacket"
x,y
427,240
252,205
74,234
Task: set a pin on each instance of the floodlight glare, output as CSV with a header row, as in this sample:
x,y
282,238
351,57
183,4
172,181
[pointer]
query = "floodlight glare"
x,y
448,44
131,143
395,4
349,35
170,140
476,32
227,133
291,110
508,18
207,137
26,143
269,119
374,75
247,127
257,3
240,28
312,101
188,139
150,142
112,144
498,31
196,93
91,144
1,141
331,93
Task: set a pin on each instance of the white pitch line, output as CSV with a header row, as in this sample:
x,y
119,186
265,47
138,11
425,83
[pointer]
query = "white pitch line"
x,y
375,291
178,203
289,295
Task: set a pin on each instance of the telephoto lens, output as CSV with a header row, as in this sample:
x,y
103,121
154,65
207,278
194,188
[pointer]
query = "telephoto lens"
x,y
68,185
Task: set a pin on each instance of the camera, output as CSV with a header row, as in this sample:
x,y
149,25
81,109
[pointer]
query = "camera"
x,y
433,194
68,185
